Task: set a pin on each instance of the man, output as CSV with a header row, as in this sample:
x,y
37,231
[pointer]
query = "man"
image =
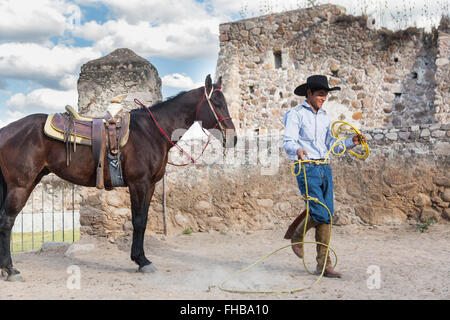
x,y
307,136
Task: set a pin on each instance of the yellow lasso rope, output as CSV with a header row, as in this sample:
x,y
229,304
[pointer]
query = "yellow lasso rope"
x,y
341,127
336,133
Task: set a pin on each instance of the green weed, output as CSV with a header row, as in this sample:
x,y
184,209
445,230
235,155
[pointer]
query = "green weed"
x,y
423,227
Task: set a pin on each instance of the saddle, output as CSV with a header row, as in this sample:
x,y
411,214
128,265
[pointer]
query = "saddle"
x,y
106,135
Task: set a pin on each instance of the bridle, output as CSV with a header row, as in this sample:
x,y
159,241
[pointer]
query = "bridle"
x,y
218,118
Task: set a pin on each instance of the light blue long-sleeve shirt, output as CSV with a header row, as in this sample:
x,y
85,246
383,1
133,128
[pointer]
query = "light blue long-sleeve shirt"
x,y
303,128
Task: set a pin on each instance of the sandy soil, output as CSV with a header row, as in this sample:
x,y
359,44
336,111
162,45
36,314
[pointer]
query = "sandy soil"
x,y
412,265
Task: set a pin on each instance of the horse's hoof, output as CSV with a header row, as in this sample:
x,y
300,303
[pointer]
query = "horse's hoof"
x,y
149,268
15,278
11,274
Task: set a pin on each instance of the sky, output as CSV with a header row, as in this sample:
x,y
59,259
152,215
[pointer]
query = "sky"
x,y
44,43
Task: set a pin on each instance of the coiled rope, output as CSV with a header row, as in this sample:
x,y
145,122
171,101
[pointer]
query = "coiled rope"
x,y
337,128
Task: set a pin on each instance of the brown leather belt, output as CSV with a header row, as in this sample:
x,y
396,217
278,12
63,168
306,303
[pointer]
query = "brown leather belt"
x,y
319,164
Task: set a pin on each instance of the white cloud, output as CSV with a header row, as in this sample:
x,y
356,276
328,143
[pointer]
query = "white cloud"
x,y
186,39
154,11
37,20
68,81
53,67
226,7
14,115
176,29
179,81
10,116
44,99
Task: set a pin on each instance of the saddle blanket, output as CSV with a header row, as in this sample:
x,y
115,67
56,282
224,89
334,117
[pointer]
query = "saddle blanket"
x,y
81,132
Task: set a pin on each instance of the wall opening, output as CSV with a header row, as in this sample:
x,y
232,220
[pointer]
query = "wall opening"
x,y
277,59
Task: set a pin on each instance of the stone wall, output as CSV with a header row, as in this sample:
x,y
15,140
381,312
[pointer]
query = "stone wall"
x,y
121,71
388,79
53,194
394,87
442,102
406,179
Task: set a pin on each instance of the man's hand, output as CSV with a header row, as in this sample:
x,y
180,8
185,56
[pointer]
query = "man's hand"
x,y
301,153
358,138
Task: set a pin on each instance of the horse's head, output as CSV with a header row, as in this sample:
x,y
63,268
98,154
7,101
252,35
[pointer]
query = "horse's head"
x,y
213,113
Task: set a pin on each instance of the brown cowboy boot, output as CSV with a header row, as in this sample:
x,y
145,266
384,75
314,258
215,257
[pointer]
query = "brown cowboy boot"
x,y
296,234
322,235
294,225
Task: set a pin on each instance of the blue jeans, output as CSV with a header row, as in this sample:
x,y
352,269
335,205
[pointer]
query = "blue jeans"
x,y
320,186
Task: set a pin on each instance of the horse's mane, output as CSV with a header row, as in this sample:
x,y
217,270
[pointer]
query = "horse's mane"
x,y
160,103
167,100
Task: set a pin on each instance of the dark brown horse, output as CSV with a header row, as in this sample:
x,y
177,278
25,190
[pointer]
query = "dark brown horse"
x,y
26,155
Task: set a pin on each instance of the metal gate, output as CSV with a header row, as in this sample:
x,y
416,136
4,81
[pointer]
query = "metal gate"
x,y
52,214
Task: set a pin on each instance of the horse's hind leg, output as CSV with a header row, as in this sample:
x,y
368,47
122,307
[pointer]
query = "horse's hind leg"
x,y
6,223
14,202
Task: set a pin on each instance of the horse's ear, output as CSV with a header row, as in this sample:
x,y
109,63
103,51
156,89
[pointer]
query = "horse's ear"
x,y
219,82
208,83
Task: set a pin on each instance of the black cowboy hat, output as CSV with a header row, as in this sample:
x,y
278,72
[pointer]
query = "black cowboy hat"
x,y
314,82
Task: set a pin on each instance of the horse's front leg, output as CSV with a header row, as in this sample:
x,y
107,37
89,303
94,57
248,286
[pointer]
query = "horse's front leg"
x,y
14,202
140,196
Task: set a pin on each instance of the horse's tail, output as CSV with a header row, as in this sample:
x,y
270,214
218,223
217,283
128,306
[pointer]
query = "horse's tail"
x,y
2,186
2,189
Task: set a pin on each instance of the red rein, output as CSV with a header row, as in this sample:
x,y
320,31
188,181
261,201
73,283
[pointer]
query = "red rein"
x,y
219,119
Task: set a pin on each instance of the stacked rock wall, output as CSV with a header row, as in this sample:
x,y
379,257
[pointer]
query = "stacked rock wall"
x,y
394,87
442,102
121,71
387,78
406,179
53,194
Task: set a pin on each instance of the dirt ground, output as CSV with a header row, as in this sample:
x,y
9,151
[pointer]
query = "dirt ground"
x,y
407,263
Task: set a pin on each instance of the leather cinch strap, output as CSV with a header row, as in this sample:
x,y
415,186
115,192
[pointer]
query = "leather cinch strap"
x,y
98,149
